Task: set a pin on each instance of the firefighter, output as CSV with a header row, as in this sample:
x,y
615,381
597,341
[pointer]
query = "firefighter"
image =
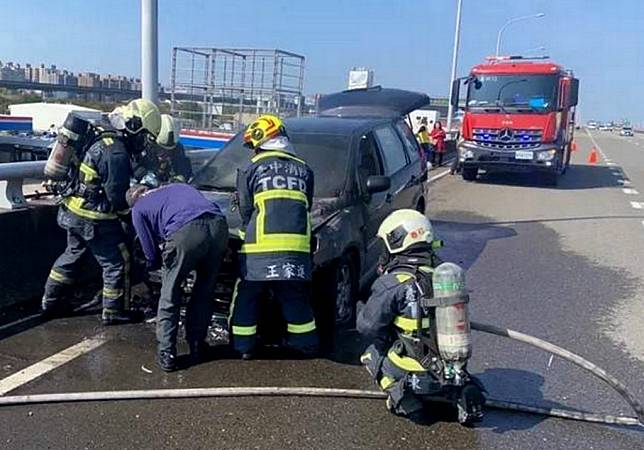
x,y
92,210
165,162
275,194
391,310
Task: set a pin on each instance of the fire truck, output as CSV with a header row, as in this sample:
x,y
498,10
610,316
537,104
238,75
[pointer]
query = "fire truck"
x,y
519,117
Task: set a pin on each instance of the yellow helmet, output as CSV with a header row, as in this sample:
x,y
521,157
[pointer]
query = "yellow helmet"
x,y
138,115
169,134
404,228
265,128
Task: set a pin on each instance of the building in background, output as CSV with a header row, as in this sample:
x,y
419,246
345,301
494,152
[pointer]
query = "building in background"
x,y
360,78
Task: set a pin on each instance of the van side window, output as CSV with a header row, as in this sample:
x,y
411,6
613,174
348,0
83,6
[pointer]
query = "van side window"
x,y
392,149
369,163
413,150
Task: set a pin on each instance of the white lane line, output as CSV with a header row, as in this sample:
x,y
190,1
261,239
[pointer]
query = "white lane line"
x,y
48,364
637,205
642,222
611,164
624,182
439,176
630,191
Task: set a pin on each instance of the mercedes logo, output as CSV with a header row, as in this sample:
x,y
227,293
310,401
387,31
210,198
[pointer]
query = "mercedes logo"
x,y
506,134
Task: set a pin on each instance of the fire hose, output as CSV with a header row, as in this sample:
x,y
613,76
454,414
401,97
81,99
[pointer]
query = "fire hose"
x,y
366,394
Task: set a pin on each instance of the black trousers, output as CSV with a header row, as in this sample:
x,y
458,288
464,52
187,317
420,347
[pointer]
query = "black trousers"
x,y
294,298
199,245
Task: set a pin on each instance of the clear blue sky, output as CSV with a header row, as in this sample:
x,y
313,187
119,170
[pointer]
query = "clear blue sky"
x,y
407,42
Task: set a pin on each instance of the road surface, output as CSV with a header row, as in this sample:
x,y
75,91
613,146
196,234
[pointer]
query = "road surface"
x,y
565,264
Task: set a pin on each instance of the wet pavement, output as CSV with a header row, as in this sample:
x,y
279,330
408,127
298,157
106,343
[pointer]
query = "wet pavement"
x,y
536,263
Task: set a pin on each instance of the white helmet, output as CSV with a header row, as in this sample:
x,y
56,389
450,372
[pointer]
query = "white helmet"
x,y
404,228
169,134
138,115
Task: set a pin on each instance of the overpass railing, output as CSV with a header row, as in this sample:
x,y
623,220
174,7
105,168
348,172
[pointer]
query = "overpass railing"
x,y
12,176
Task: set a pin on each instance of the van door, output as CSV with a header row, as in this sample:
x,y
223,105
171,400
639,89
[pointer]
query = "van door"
x,y
416,169
396,165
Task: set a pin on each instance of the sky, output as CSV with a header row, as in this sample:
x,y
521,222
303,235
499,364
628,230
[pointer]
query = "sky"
x,y
408,43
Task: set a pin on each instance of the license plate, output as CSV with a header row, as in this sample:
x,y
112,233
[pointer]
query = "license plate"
x,y
523,155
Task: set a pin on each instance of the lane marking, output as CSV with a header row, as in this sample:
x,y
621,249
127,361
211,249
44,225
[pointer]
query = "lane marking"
x,y
48,364
81,308
611,164
637,205
630,191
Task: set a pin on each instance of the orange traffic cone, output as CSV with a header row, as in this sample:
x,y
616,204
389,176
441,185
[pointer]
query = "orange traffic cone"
x,y
573,146
592,158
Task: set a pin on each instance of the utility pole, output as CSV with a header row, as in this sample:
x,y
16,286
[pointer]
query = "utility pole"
x,y
150,50
511,21
457,36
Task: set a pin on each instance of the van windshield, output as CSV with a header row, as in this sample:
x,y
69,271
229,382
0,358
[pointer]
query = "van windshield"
x,y
326,154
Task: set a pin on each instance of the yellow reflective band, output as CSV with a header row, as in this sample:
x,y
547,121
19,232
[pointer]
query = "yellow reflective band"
x,y
386,382
244,331
407,324
280,243
426,269
125,254
264,155
108,140
279,194
402,277
89,172
75,205
405,363
365,357
112,293
59,277
301,328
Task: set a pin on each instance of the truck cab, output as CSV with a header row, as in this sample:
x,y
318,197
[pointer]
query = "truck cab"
x,y
519,117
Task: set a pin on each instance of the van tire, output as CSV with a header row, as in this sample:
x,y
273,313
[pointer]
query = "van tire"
x,y
470,173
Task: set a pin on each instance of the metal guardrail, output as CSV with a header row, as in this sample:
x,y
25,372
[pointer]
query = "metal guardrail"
x,y
12,176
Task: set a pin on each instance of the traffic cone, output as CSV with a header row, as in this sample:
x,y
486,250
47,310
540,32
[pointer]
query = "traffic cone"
x,y
592,158
573,146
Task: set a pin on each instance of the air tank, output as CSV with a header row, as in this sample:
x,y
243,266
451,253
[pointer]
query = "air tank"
x,y
452,316
69,137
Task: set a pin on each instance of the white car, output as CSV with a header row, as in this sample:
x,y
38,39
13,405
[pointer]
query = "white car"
x,y
626,131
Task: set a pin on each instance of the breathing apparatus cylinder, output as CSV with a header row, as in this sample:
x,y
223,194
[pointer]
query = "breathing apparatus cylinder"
x,y
452,315
69,141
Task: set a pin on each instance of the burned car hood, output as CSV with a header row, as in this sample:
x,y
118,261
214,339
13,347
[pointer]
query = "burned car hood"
x,y
323,210
371,102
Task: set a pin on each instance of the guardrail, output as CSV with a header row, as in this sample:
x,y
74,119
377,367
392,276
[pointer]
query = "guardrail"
x,y
12,176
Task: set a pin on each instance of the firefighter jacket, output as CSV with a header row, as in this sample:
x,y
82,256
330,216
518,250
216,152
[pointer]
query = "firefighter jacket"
x,y
275,196
167,165
103,178
393,314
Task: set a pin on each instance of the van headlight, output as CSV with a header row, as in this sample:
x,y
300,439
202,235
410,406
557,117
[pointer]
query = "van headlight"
x,y
546,155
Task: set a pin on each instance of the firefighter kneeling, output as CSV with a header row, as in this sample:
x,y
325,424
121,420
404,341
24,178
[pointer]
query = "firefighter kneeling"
x,y
417,315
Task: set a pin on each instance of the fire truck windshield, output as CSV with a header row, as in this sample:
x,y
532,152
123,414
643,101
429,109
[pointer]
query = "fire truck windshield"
x,y
518,93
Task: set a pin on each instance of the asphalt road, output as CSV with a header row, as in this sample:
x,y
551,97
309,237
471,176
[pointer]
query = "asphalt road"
x,y
564,263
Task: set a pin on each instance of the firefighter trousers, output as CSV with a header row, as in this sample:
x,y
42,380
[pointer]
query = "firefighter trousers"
x,y
392,379
294,299
199,245
105,241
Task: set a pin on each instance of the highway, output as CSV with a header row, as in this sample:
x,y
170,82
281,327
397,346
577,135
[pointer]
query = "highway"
x,y
565,264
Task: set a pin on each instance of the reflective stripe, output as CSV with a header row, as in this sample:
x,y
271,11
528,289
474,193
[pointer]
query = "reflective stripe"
x,y
301,328
125,254
278,242
405,362
75,205
108,140
402,277
245,331
264,155
112,293
365,357
407,324
426,269
59,277
89,172
386,382
233,301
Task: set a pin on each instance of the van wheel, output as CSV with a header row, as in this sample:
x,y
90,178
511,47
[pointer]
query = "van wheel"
x,y
470,173
345,284
550,178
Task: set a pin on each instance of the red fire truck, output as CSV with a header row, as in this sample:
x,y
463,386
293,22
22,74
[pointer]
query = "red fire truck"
x,y
519,117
